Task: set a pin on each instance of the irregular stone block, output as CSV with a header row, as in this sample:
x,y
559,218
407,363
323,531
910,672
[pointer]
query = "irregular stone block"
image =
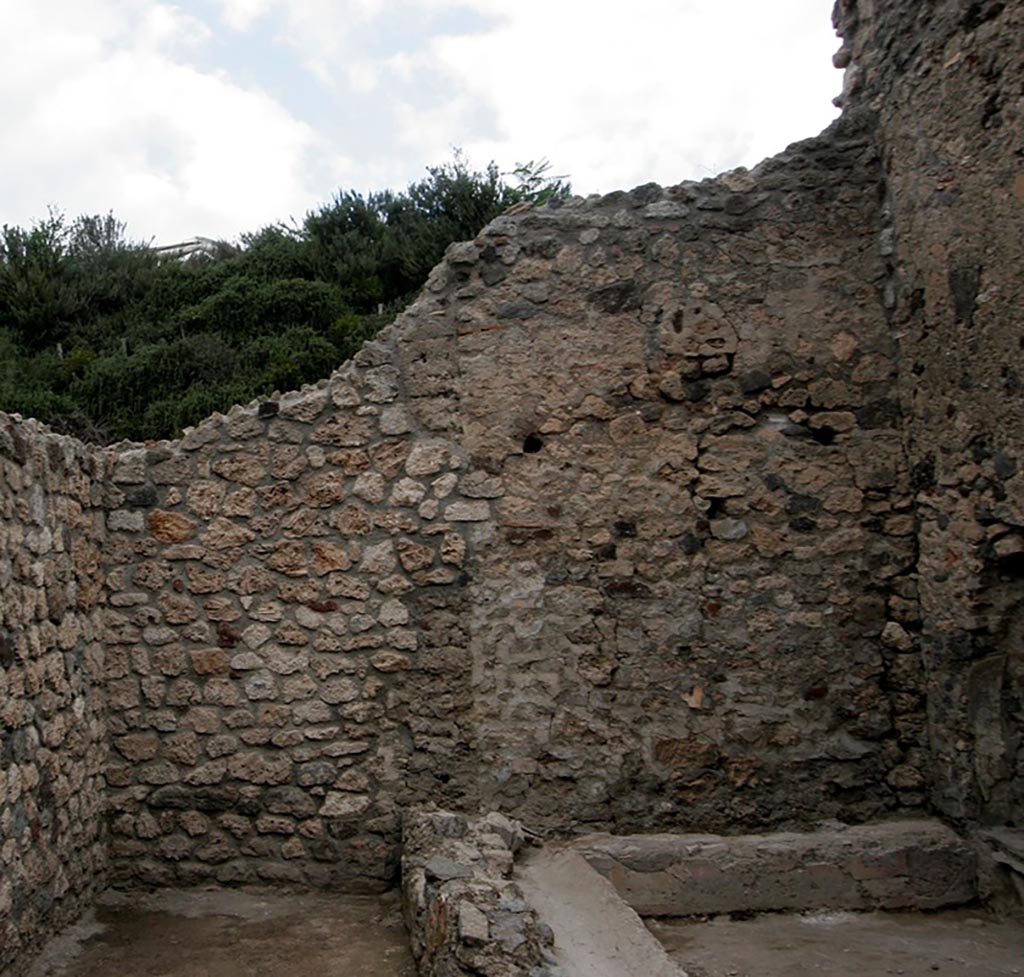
x,y
924,864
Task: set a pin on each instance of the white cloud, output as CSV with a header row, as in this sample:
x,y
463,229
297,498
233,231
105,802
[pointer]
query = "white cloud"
x,y
363,76
103,115
119,103
653,91
240,15
162,27
319,32
615,94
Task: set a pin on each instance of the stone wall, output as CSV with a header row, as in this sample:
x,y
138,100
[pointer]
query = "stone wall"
x,y
704,540
695,507
285,588
945,80
612,527
52,722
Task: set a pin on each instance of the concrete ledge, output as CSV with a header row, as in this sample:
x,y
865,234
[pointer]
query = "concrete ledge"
x,y
596,933
892,865
465,915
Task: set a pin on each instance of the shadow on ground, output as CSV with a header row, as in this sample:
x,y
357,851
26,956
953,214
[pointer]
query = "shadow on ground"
x,y
208,933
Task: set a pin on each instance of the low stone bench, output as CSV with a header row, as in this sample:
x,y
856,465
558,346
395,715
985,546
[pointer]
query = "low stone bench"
x,y
918,864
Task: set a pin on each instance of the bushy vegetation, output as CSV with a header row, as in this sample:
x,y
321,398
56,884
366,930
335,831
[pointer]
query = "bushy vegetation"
x,y
105,338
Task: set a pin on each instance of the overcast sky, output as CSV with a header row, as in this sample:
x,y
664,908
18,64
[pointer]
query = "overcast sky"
x,y
214,117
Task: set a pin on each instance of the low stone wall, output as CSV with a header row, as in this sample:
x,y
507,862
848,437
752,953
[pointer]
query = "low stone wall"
x,y
465,915
52,716
894,865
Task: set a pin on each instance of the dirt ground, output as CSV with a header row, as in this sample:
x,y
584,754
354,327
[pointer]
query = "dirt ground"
x,y
207,933
838,944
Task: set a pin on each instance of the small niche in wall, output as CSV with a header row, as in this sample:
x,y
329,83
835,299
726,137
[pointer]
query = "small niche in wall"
x,y
823,435
1011,566
532,443
6,650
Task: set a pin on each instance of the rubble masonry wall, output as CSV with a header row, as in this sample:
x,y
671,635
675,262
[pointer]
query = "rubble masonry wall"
x,y
945,82
53,738
612,527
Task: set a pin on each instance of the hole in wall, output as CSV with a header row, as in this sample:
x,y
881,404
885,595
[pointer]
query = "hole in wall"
x,y
716,508
624,528
677,322
6,650
1012,566
532,443
824,435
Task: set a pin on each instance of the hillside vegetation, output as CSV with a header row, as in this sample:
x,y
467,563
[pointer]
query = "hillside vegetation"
x,y
104,338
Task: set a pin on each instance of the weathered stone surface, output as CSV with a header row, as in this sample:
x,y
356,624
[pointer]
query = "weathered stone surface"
x,y
259,769
464,913
328,557
325,489
289,800
896,865
953,292
124,520
210,661
343,805
427,458
223,533
466,511
205,498
56,746
414,556
141,746
244,468
171,527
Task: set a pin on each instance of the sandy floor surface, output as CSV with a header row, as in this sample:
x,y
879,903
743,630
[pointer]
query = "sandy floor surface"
x,y
227,933
955,944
